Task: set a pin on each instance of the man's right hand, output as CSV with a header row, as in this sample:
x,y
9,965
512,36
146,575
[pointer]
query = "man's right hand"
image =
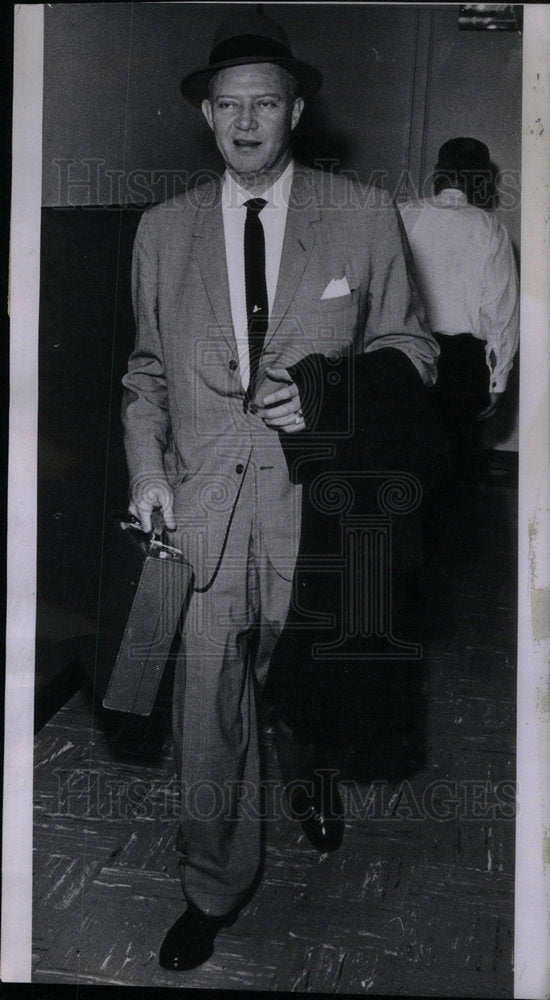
x,y
150,497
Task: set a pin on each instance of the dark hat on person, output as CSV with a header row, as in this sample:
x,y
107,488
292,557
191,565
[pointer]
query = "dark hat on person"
x,y
463,153
247,38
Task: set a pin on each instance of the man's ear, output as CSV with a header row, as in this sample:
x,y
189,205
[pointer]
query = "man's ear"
x,y
297,109
206,109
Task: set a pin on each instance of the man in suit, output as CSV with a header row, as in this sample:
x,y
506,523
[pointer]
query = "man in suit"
x,y
234,281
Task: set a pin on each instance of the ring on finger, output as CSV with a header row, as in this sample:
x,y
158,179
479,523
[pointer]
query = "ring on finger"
x,y
298,416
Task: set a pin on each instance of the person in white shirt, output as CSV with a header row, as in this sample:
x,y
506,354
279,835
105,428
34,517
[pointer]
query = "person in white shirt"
x,y
467,277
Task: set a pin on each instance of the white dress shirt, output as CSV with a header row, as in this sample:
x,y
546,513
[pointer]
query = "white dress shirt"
x,y
273,219
466,275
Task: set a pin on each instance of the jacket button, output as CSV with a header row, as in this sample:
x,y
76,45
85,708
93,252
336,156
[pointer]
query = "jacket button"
x,y
233,365
239,469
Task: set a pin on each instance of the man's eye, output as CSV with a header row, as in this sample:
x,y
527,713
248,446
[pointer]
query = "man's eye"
x,y
224,105
268,104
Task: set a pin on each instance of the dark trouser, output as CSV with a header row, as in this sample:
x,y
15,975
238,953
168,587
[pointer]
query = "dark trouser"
x,y
347,671
459,395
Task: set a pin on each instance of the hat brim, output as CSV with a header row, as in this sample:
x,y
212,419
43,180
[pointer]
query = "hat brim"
x,y
194,86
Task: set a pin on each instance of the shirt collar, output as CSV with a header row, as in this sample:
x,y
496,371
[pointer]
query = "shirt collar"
x,y
451,196
234,195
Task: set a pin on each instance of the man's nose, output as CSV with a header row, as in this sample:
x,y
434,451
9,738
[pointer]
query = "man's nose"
x,y
246,118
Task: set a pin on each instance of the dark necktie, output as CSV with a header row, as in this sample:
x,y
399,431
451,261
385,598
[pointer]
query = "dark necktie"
x,y
257,309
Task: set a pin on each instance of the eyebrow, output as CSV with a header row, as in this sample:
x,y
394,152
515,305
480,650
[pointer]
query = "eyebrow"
x,y
217,97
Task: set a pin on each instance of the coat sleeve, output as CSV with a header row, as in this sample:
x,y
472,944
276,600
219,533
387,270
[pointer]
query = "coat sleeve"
x,y
145,416
396,316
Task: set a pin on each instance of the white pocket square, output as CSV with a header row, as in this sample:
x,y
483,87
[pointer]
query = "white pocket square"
x,y
335,288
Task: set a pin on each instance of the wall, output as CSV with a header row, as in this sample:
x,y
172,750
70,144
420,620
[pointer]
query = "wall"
x,y
399,80
474,88
112,85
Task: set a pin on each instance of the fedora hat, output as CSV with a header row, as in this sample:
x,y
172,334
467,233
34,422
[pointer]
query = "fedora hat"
x,y
247,38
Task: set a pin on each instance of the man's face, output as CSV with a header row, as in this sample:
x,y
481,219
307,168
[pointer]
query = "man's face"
x,y
252,113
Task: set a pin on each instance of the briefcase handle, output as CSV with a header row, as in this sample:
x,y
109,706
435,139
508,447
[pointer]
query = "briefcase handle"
x,y
152,542
157,522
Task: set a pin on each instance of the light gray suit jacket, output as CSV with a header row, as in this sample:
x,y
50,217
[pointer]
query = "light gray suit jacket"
x,y
183,414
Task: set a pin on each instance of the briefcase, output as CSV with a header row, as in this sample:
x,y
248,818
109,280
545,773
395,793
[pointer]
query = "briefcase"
x,y
143,591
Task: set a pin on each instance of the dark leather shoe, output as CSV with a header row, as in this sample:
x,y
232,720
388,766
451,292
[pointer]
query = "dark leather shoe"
x,y
190,941
318,807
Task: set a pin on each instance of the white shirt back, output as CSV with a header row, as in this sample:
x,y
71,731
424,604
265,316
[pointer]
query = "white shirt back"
x,y
466,274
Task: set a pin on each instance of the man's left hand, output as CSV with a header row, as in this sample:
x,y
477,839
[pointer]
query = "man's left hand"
x,y
281,409
495,398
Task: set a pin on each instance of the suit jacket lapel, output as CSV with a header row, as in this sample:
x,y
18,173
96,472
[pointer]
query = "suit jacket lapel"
x,y
303,214
209,252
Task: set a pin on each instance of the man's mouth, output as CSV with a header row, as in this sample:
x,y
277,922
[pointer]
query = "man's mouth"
x,y
246,143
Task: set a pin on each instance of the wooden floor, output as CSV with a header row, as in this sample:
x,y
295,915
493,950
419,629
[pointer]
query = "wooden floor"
x,y
418,900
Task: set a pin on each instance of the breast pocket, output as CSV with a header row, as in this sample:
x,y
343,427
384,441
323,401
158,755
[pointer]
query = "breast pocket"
x,y
338,302
336,317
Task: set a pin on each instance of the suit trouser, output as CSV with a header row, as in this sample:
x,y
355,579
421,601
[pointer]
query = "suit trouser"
x,y
228,636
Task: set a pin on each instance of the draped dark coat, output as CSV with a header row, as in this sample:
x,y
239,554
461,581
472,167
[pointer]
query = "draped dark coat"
x,y
348,662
